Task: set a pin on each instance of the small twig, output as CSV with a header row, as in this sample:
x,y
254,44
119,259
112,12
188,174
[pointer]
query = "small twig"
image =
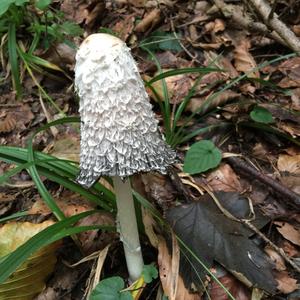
x,y
239,164
272,21
233,13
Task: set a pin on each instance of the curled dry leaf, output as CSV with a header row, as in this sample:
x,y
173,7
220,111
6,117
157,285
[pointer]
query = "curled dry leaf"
x,y
211,102
289,232
8,124
224,179
149,21
288,163
286,284
243,59
172,283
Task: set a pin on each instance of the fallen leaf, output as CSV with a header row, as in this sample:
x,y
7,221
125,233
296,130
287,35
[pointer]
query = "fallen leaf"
x,y
290,68
243,59
286,284
276,258
235,287
29,278
149,21
172,283
288,163
289,232
214,237
224,179
124,27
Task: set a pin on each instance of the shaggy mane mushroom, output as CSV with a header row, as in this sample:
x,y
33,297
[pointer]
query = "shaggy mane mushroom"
x,y
119,133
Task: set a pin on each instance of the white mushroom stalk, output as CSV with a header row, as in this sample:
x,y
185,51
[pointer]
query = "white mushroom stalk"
x,y
119,133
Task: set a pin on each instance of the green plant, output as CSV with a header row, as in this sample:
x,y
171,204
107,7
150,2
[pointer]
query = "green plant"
x,y
202,156
24,27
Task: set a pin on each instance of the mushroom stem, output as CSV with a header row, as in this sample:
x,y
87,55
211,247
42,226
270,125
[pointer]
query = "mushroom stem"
x,y
128,227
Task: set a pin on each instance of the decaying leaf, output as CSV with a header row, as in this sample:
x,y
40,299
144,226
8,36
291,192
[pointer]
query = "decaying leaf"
x,y
235,287
224,179
29,279
288,163
291,69
149,21
172,283
212,236
244,61
289,232
8,124
286,284
276,258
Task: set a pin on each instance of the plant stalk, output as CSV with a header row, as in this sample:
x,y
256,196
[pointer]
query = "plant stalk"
x,y
127,227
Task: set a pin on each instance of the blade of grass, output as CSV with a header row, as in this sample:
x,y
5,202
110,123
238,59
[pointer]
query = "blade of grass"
x,y
180,72
13,58
14,216
12,261
59,167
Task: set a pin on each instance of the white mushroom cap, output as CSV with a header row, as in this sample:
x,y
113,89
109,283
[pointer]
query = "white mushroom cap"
x,y
119,133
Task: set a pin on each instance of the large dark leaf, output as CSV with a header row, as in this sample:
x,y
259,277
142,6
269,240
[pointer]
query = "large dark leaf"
x,y
214,237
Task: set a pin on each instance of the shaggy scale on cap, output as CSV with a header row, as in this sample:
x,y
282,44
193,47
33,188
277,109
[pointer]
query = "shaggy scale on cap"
x,y
119,133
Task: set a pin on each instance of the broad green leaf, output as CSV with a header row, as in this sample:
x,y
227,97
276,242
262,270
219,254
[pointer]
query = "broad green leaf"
x,y
110,289
261,115
202,156
149,273
42,4
5,4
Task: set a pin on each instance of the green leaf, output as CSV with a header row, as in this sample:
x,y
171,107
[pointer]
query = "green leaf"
x,y
261,115
110,289
161,40
71,28
4,5
202,156
42,4
149,273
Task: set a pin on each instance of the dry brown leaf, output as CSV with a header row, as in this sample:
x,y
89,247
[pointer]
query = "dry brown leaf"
x,y
291,128
289,232
159,188
215,26
178,87
243,59
286,284
8,124
290,68
287,163
235,287
276,258
224,179
149,21
172,283
137,3
290,249
124,27
295,99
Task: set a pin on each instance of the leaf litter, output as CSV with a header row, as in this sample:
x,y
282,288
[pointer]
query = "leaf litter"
x,y
232,37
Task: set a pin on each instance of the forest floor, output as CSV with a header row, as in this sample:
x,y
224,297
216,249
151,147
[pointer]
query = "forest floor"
x,y
233,205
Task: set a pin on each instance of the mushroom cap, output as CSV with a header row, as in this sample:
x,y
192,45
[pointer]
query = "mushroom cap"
x,y
119,133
